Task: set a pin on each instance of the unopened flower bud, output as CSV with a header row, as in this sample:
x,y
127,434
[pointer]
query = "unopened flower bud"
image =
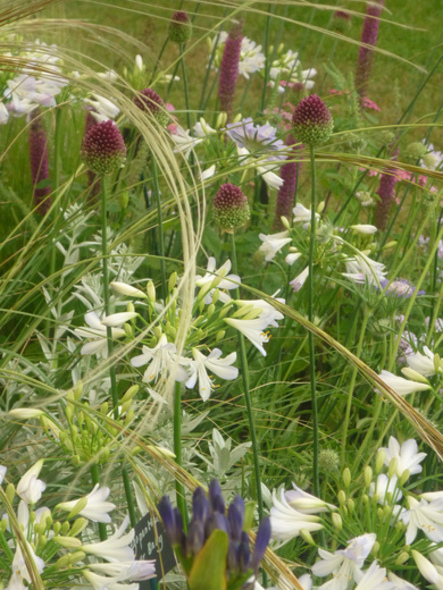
x,y
341,498
124,199
157,331
103,149
414,375
230,207
76,556
365,499
238,117
78,390
130,393
68,542
312,122
404,477
367,475
380,514
220,335
150,289
65,527
297,93
129,331
392,467
285,222
10,492
221,120
79,506
402,558
62,563
210,310
375,549
104,408
172,281
57,527
180,27
351,505
129,416
437,363
78,526
347,477
380,460
307,537
337,521
321,207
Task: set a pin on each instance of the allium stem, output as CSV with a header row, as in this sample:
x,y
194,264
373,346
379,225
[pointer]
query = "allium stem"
x,y
157,61
95,476
247,394
229,69
180,490
369,36
38,151
315,433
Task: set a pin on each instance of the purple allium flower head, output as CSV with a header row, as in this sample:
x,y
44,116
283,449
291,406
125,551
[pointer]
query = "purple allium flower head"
x,y
229,69
103,149
289,173
312,122
149,101
180,27
230,209
369,36
386,192
38,152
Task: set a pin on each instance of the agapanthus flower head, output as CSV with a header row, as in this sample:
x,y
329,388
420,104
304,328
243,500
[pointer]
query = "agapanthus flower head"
x,y
312,122
180,27
150,102
230,207
209,517
103,149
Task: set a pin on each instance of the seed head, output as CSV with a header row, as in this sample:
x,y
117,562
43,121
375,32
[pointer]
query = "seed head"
x,y
103,149
180,27
312,122
230,207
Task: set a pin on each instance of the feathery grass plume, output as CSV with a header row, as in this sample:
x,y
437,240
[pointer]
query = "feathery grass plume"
x,y
94,181
180,27
230,207
312,122
289,173
229,69
38,151
103,148
369,36
386,192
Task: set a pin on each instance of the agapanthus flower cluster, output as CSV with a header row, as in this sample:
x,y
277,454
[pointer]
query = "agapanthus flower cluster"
x,y
380,524
286,70
217,535
41,542
251,60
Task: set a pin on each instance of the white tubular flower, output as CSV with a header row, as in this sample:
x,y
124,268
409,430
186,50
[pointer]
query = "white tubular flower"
x,y
3,470
407,456
361,269
139,62
385,486
401,584
104,108
287,522
375,579
208,173
184,143
253,330
127,290
135,571
25,413
425,516
117,548
306,503
300,280
303,215
117,319
273,243
267,309
96,508
292,257
364,228
400,385
97,331
30,488
426,568
161,360
422,363
200,366
345,564
19,569
220,279
104,582
203,129
271,179
4,114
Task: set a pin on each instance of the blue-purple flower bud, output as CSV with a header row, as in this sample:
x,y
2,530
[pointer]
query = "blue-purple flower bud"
x,y
244,553
172,521
195,538
216,521
261,542
216,500
235,518
200,505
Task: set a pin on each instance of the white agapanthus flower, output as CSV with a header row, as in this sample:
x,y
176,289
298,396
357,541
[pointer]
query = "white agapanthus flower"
x,y
97,330
400,385
96,508
300,280
306,503
361,269
219,278
268,310
3,470
104,109
364,228
287,522
405,455
303,215
127,290
199,367
184,142
116,548
99,582
161,360
30,488
375,579
203,129
251,60
401,584
263,167
427,569
253,330
135,571
345,564
20,571
383,486
424,516
273,243
208,173
422,363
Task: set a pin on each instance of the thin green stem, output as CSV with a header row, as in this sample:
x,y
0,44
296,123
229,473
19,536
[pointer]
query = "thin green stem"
x,y
315,441
95,476
185,83
266,52
161,232
129,497
247,393
157,62
180,490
